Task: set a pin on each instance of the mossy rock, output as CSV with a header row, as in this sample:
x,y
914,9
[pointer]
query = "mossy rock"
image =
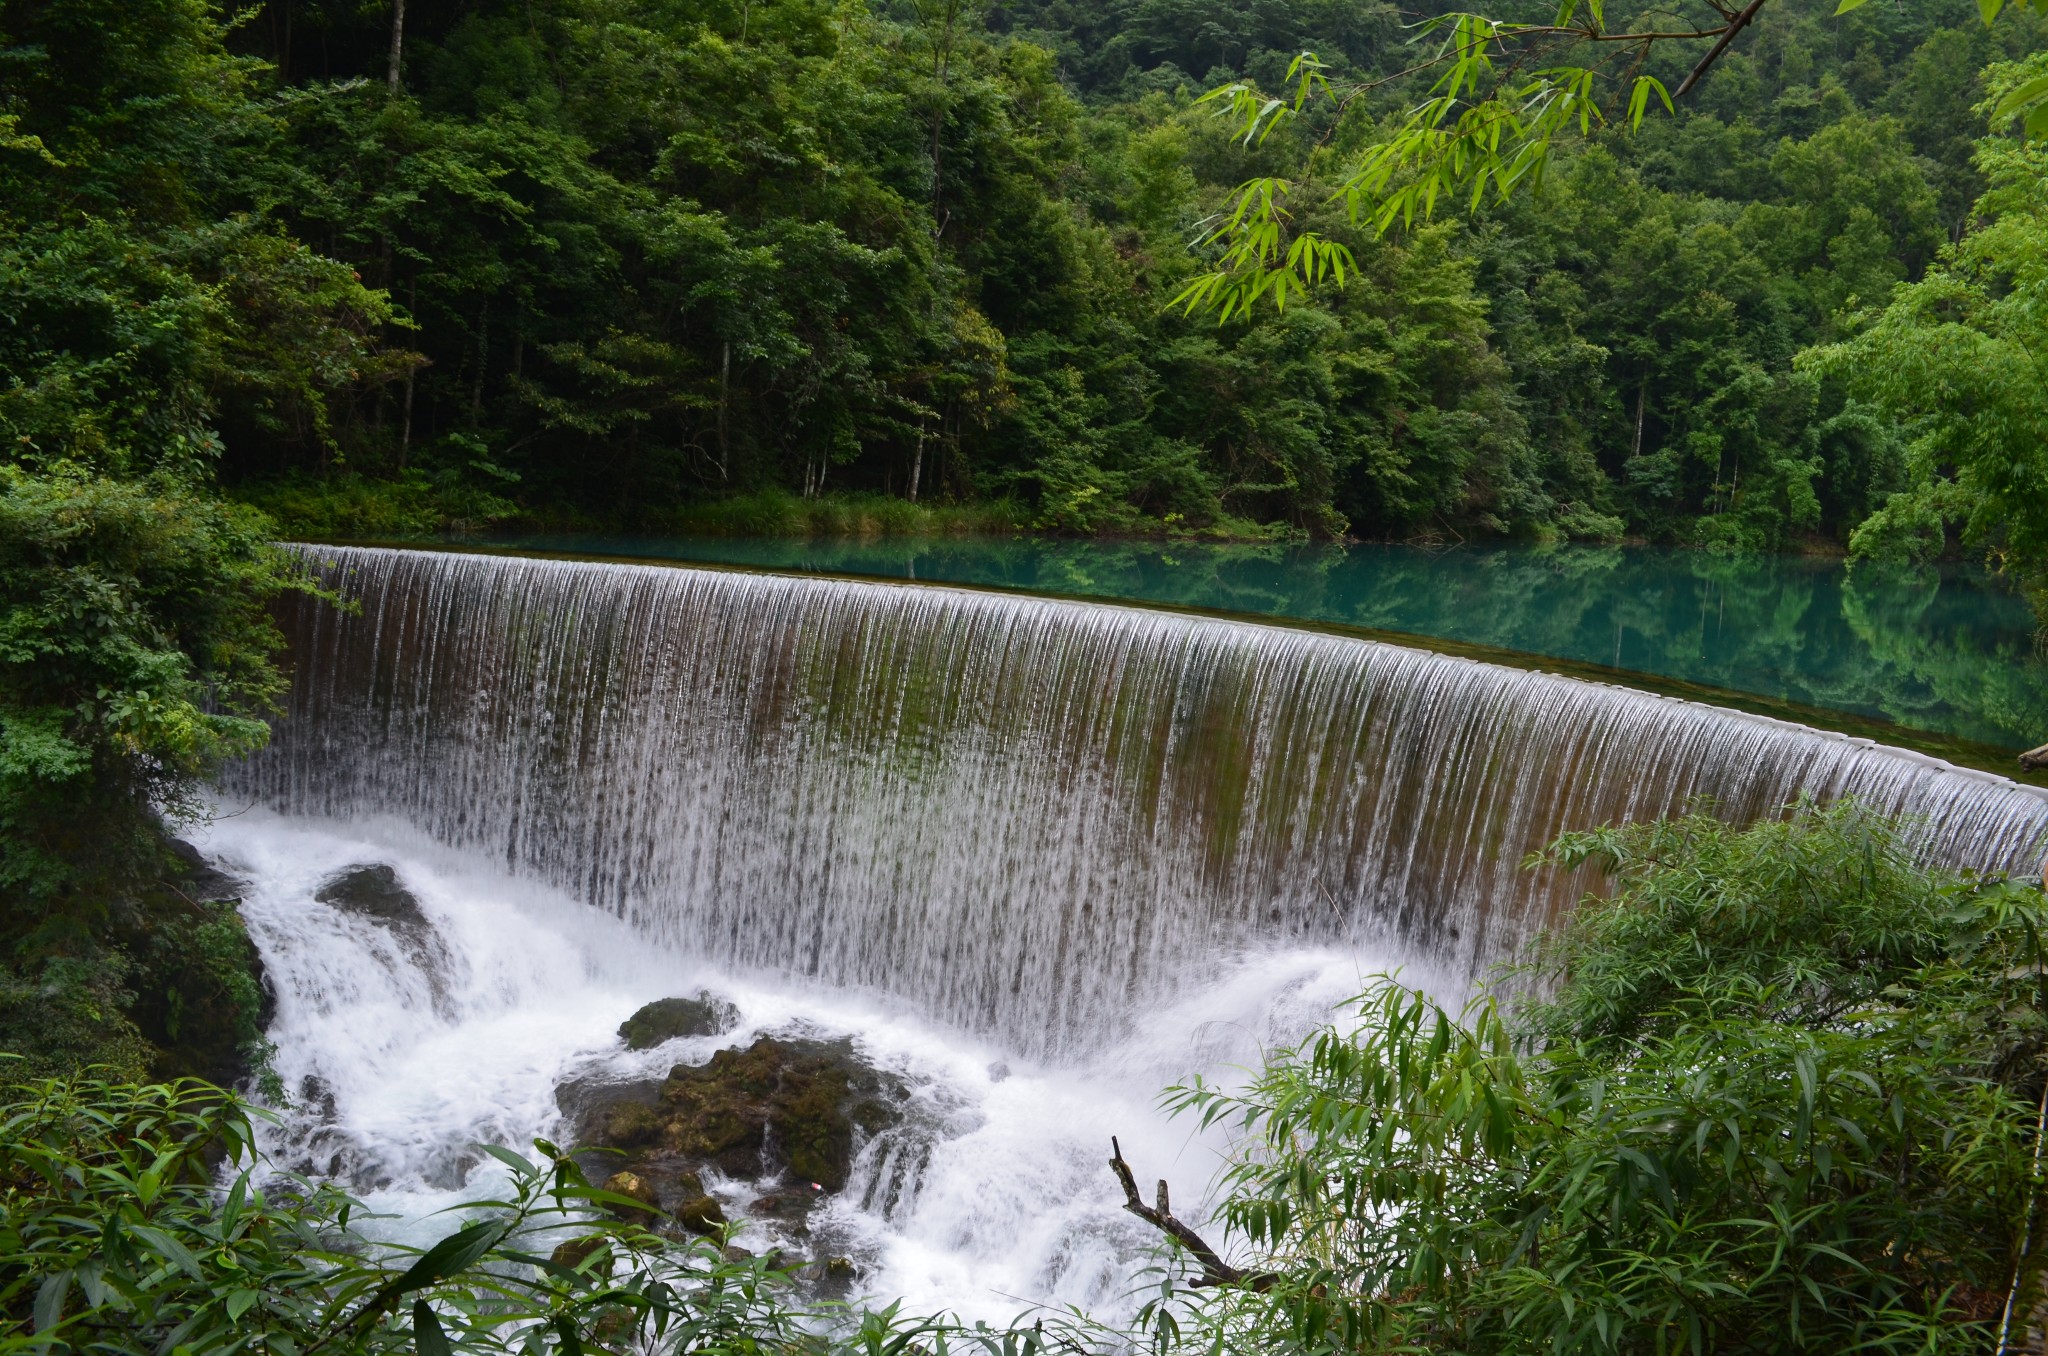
x,y
699,1213
666,1019
778,1107
633,1185
200,994
577,1251
778,1104
630,1125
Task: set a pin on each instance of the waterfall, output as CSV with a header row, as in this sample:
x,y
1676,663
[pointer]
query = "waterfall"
x,y
1025,817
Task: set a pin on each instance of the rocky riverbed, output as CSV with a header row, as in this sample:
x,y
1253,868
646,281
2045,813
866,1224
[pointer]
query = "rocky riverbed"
x,y
762,1132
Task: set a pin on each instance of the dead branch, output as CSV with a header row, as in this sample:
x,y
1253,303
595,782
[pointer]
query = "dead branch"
x,y
2035,758
1735,26
1215,1271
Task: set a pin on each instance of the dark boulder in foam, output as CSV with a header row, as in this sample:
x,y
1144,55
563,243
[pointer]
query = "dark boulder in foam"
x,y
778,1106
795,1105
374,892
665,1019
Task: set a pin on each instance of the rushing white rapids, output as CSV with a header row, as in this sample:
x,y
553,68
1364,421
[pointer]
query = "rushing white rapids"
x,y
401,1058
970,827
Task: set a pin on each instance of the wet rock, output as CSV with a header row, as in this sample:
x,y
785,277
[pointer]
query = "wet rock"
x,y
317,1096
665,1019
374,892
587,1100
779,1105
832,1275
630,1125
698,1211
449,1170
615,1327
795,1105
785,1207
577,1251
633,1185
201,881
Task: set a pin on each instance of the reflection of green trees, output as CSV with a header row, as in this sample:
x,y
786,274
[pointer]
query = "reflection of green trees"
x,y
1913,628
1946,651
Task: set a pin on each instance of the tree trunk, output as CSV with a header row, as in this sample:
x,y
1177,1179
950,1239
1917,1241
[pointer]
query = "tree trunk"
x,y
405,426
397,44
483,355
724,401
412,306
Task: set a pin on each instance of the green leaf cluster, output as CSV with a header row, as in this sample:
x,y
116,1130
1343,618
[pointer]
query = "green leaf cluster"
x,y
1955,359
136,653
139,1218
1777,1092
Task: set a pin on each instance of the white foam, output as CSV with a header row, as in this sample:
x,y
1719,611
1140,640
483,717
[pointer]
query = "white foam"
x,y
423,1055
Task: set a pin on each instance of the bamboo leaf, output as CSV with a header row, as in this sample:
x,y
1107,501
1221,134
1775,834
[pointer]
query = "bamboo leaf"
x,y
428,1337
50,1296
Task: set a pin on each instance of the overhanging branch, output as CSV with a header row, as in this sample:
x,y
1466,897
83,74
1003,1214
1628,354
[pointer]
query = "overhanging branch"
x,y
1735,26
1215,1271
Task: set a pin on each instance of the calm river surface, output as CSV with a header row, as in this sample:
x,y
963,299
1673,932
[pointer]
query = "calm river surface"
x,y
1947,651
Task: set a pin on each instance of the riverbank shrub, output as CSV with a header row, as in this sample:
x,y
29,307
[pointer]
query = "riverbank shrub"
x,y
118,1233
1783,1095
140,1219
137,653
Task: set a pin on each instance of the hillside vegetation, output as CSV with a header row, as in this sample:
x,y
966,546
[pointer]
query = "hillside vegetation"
x,y
610,263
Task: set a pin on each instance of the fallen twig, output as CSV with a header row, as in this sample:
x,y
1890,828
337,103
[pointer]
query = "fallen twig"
x,y
1215,1271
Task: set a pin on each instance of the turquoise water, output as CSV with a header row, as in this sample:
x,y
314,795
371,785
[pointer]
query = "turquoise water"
x,y
1947,651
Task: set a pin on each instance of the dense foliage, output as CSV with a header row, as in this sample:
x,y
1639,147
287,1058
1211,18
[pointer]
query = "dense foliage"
x,y
588,261
1955,359
117,1235
135,655
1784,1096
152,305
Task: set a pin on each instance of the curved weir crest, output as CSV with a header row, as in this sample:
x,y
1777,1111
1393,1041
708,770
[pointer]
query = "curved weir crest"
x,y
1028,818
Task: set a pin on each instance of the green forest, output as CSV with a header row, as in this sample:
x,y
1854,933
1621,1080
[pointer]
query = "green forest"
x,y
697,265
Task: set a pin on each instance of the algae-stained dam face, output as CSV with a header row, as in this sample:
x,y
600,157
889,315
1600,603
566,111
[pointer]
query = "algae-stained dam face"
x,y
1028,819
